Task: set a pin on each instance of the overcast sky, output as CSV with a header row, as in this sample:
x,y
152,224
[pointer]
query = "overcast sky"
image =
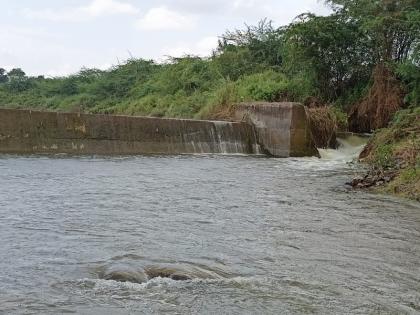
x,y
59,37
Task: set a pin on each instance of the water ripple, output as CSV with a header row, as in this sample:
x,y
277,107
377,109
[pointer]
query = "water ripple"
x,y
203,234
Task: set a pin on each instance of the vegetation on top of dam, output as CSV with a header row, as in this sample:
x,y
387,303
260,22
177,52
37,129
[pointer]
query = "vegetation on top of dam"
x,y
354,69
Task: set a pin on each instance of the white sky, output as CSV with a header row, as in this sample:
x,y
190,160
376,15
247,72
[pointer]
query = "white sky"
x,y
59,37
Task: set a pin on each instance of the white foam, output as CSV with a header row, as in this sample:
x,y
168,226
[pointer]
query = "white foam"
x,y
106,286
348,150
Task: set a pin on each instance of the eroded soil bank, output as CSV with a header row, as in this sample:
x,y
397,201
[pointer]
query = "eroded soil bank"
x,y
393,157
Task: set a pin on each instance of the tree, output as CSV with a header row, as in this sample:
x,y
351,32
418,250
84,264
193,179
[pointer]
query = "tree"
x,y
392,26
329,50
18,81
263,41
119,80
250,50
68,86
3,76
16,73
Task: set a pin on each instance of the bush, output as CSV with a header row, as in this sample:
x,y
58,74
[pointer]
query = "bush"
x,y
384,156
340,117
267,86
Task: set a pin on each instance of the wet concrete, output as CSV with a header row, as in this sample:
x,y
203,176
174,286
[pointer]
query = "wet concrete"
x,y
25,131
280,129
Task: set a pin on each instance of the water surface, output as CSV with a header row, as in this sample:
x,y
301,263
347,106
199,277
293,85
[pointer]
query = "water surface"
x,y
202,235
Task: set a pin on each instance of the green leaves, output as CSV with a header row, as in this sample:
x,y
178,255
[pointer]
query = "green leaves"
x,y
392,26
3,76
328,57
253,49
329,50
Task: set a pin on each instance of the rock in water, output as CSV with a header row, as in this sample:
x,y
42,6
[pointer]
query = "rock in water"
x,y
123,273
372,178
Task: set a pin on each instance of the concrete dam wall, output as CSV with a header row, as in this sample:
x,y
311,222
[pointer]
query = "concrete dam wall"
x,y
280,129
25,131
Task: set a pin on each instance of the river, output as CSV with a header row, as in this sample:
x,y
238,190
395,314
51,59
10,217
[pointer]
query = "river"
x,y
202,235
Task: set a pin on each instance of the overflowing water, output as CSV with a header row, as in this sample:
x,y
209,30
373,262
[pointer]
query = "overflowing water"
x,y
202,235
348,150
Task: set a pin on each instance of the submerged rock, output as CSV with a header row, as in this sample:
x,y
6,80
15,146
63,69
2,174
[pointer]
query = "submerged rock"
x,y
124,273
182,272
131,273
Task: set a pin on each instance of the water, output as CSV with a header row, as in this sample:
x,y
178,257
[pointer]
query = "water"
x,y
348,151
202,235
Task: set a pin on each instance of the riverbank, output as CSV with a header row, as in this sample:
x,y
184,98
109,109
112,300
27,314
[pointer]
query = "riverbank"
x,y
393,157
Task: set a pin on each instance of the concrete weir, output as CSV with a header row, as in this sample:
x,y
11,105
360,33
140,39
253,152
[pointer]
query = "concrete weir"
x,y
27,132
282,128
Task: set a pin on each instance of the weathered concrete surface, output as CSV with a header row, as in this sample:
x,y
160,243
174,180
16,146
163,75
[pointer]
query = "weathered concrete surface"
x,y
26,132
282,128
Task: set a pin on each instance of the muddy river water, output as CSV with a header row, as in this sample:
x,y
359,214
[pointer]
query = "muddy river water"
x,y
202,235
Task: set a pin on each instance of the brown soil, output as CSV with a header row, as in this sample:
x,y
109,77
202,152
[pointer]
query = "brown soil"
x,y
384,98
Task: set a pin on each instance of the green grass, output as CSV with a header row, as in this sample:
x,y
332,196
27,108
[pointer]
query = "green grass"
x,y
397,148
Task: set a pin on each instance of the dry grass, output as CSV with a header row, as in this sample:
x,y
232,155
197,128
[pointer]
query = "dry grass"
x,y
383,100
323,124
222,112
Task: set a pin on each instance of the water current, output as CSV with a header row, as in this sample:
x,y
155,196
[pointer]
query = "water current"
x,y
204,234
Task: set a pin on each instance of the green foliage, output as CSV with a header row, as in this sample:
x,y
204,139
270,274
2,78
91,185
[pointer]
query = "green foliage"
x,y
340,118
384,156
400,136
327,49
255,47
410,74
236,62
3,76
272,86
397,148
267,86
329,58
68,87
227,94
391,27
18,81
118,82
406,118
352,95
410,174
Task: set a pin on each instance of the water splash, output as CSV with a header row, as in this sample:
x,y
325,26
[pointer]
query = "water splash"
x,y
348,150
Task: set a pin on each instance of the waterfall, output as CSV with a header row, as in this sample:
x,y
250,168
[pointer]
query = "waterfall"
x,y
222,141
349,148
230,140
